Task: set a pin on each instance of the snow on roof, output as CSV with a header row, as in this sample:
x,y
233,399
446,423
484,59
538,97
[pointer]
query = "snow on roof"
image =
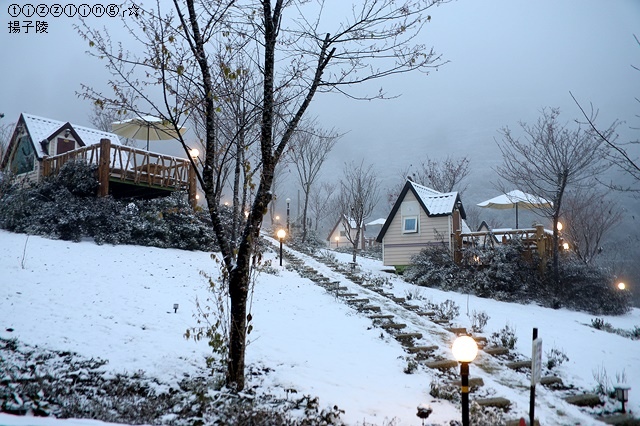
x,y
437,203
41,128
379,221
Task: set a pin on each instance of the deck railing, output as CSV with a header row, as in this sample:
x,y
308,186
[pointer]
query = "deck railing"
x,y
131,165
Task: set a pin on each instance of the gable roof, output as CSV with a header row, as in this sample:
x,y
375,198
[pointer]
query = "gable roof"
x,y
433,203
45,129
341,220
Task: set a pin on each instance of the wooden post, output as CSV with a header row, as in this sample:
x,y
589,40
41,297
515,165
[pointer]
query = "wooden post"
x,y
46,166
541,241
457,238
103,167
192,187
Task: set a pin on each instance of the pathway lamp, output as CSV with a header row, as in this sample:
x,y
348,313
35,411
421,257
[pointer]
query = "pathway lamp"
x,y
622,394
465,350
337,241
621,285
559,226
175,308
281,234
424,411
288,201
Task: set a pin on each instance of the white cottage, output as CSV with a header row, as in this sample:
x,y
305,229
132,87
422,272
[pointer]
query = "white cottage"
x,y
420,217
338,235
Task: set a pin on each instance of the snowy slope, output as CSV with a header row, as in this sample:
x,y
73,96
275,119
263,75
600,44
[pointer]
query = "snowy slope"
x,y
116,303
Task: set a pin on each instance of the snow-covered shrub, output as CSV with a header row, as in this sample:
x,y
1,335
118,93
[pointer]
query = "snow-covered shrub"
x,y
555,358
505,338
444,390
311,245
600,324
485,416
414,294
434,267
591,289
478,321
445,311
64,206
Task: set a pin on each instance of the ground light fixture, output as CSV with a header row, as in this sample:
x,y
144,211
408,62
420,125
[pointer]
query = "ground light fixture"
x,y
175,308
281,234
465,350
424,411
622,394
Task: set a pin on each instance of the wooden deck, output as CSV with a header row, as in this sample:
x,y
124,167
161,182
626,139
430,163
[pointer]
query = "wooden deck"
x,y
146,173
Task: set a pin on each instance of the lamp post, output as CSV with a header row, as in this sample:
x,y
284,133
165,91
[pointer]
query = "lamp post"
x,y
288,201
621,285
337,241
281,234
465,350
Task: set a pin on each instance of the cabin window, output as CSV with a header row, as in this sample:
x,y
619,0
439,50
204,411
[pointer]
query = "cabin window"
x,y
343,233
410,224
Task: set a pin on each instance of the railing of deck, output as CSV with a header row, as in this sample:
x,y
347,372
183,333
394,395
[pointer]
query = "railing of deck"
x,y
126,164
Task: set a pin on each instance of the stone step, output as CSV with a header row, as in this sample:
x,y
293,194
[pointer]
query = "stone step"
x,y
347,294
419,349
370,308
480,340
393,326
584,400
550,380
517,365
358,301
503,403
380,316
398,299
408,336
440,321
444,364
411,307
458,331
496,350
426,314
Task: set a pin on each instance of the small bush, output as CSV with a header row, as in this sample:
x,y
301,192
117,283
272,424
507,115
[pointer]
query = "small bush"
x,y
411,367
506,337
600,324
445,391
479,321
446,311
555,358
603,384
414,294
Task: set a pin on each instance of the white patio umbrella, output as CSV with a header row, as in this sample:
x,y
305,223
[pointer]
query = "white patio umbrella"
x,y
147,127
515,199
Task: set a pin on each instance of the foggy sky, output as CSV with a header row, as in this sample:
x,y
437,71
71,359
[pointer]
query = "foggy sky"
x,y
508,59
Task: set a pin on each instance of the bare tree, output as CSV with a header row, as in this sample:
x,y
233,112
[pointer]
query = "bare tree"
x,y
359,195
550,159
322,202
619,153
5,136
101,118
309,149
445,175
588,217
295,58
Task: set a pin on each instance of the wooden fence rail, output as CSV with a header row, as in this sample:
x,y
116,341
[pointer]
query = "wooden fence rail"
x,y
130,165
534,240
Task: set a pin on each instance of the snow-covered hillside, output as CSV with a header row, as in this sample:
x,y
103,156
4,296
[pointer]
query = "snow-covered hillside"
x,y
116,303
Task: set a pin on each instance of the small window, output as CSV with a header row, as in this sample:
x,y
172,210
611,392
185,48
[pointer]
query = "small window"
x,y
410,225
343,233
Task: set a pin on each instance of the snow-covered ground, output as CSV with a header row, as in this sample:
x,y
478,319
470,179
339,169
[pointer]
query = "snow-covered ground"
x,y
116,303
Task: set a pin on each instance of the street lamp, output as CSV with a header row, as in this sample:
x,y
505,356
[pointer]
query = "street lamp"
x,y
559,226
621,285
465,350
337,241
281,234
288,201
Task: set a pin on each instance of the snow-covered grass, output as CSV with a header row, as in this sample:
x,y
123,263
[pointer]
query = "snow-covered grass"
x,y
116,303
